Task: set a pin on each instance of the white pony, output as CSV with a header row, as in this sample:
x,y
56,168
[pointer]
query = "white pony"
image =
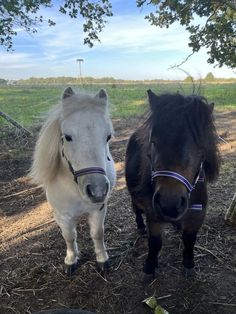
x,y
73,163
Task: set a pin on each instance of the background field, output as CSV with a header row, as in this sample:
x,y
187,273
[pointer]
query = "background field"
x,y
32,249
26,104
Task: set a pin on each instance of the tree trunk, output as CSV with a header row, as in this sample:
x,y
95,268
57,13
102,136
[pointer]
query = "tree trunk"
x,y
231,211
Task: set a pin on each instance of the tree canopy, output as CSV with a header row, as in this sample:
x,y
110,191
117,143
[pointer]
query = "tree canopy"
x,y
217,33
24,14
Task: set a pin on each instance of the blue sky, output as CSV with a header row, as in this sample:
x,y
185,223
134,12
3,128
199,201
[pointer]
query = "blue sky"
x,y
130,48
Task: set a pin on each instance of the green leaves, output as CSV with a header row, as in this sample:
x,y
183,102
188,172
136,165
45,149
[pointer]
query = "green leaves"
x,y
24,14
93,14
217,34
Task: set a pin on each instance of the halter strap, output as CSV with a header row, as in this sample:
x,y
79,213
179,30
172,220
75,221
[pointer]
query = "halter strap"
x,y
89,170
197,207
182,179
84,171
174,175
179,177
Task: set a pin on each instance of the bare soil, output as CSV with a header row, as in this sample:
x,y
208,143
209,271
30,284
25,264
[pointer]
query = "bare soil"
x,y
32,276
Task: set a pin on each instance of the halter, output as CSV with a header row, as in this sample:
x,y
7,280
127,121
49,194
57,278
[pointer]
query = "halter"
x,y
174,175
84,171
190,187
179,177
89,170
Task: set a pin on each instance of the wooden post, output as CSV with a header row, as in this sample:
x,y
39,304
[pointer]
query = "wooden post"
x,y
231,211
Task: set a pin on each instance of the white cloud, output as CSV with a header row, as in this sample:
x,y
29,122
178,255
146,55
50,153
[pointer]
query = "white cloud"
x,y
134,34
16,61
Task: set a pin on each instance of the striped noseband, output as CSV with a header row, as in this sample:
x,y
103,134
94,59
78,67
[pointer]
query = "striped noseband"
x,y
190,187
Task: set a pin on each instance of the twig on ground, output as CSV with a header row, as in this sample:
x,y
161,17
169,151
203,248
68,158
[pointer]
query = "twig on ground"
x,y
126,252
99,273
207,250
224,304
21,192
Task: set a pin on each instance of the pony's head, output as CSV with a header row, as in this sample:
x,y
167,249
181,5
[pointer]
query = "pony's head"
x,y
85,135
75,140
182,141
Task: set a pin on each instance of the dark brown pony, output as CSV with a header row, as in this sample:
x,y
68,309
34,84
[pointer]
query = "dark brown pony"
x,y
169,161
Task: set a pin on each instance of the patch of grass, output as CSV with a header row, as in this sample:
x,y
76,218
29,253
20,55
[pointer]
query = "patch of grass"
x,y
26,104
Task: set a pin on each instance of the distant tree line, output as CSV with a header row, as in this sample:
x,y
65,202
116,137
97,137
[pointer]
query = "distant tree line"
x,y
3,81
84,80
88,80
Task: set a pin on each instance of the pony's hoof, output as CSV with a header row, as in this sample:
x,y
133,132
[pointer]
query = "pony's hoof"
x,y
103,267
189,272
70,269
148,278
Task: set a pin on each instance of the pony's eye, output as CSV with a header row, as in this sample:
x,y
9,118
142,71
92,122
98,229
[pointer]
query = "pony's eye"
x,y
68,138
109,137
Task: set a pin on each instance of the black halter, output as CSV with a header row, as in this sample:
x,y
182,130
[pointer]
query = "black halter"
x,y
84,171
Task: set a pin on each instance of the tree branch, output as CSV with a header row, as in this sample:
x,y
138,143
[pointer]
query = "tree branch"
x,y
178,65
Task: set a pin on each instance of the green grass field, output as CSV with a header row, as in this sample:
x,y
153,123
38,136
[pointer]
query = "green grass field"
x,y
27,104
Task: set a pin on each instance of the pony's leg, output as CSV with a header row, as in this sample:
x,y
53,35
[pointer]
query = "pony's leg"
x,y
69,234
139,219
189,239
191,226
96,223
154,247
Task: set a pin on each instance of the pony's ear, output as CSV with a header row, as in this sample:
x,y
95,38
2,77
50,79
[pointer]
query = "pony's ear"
x,y
102,94
211,106
68,92
152,98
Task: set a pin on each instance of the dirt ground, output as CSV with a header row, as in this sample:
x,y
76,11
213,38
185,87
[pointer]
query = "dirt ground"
x,y
32,276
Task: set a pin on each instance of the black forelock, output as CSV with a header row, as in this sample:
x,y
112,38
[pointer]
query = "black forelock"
x,y
177,115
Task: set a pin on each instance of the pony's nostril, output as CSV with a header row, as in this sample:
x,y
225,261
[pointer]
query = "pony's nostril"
x,y
106,189
181,204
157,201
169,205
97,193
90,191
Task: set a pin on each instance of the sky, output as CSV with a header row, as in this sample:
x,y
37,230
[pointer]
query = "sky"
x,y
130,48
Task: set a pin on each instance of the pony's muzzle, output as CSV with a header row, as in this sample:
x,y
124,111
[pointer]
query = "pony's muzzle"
x,y
170,207
97,191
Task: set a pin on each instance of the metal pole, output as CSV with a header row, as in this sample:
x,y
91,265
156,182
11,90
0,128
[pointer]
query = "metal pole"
x,y
80,60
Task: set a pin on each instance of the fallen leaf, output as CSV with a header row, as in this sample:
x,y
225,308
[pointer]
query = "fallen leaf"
x,y
151,302
160,310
